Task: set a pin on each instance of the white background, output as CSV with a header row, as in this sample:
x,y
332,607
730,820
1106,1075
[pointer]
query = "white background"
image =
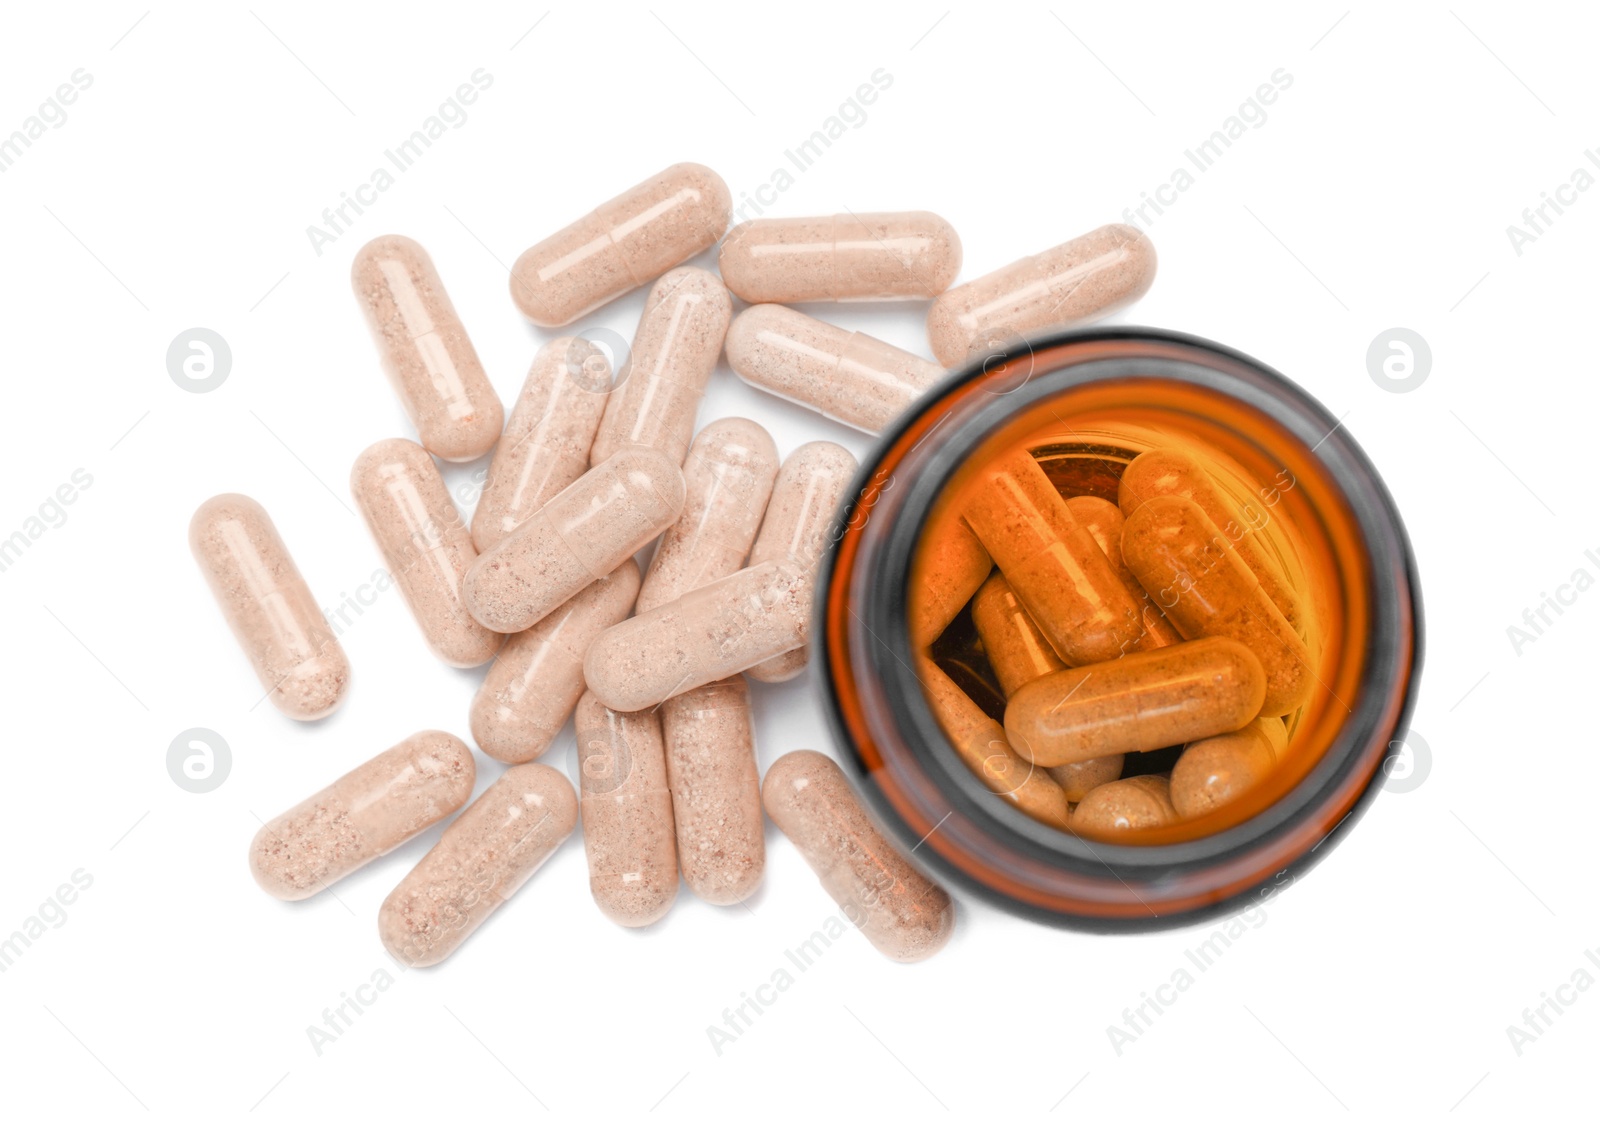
x,y
177,194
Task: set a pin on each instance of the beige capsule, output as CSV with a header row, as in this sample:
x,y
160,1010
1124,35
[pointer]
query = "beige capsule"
x,y
674,352
1174,471
1103,520
1077,281
903,255
485,856
425,350
800,525
728,477
846,375
622,244
425,544
592,526
547,440
1053,565
711,633
980,742
531,689
1138,703
362,815
1137,803
628,834
906,916
268,606
951,566
1217,770
716,792
1019,653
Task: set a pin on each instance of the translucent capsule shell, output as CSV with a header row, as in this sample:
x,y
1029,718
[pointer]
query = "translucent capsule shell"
x,y
269,607
1077,281
628,835
674,351
485,856
800,525
531,689
425,350
905,916
728,477
1103,520
848,376
905,255
622,244
425,544
547,440
592,526
716,791
362,815
1215,771
952,565
1137,803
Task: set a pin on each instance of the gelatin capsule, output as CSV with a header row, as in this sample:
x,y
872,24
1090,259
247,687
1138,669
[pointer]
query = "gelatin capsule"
x,y
716,792
425,350
362,815
849,376
1051,562
622,244
1215,771
981,744
905,255
711,633
799,525
1077,281
1145,701
546,443
952,566
728,477
425,544
674,352
1137,803
906,916
486,855
268,606
1018,654
1172,471
1103,520
592,526
531,689
627,813
1205,588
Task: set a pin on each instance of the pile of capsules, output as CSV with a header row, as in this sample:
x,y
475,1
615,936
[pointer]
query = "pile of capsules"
x,y
1154,623
587,472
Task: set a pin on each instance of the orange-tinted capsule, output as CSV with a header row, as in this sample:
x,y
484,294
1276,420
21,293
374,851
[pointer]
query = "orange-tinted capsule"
x,y
624,243
425,544
906,916
547,441
1206,589
981,744
1137,803
1103,520
1019,653
1140,702
951,566
425,350
1075,282
268,606
905,255
1218,770
1052,563
1174,471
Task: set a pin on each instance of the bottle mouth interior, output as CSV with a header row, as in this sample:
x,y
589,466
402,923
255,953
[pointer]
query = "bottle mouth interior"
x,y
1085,404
